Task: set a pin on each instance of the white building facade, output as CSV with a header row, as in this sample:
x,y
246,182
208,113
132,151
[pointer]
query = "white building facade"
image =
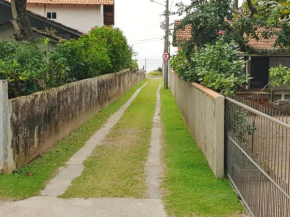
x,y
81,15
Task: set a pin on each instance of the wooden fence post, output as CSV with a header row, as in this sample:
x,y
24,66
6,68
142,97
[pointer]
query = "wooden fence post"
x,y
272,95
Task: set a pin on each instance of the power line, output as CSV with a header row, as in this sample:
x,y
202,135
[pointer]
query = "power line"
x,y
145,40
157,2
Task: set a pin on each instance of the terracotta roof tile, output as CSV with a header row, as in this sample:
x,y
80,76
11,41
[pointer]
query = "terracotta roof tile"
x,y
262,44
72,2
182,35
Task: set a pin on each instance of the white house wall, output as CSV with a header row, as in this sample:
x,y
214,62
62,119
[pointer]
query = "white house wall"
x,y
102,14
80,17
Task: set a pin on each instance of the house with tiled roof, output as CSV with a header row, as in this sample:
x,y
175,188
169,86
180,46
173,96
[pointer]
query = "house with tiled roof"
x,y
258,63
41,26
77,14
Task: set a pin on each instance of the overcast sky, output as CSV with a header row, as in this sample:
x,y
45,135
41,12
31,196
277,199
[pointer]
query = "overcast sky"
x,y
140,20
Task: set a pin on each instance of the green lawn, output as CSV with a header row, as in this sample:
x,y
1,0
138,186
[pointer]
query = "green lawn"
x,y
189,185
31,179
116,168
154,74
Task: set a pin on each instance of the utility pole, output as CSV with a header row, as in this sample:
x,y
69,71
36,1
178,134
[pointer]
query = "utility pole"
x,y
166,43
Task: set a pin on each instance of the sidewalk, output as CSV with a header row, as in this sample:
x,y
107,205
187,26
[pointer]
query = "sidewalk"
x,y
47,204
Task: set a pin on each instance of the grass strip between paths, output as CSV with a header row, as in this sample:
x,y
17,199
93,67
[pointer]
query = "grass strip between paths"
x,y
190,186
31,179
116,168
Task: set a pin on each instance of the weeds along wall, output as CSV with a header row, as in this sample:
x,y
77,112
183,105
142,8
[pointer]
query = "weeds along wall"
x,y
203,111
38,121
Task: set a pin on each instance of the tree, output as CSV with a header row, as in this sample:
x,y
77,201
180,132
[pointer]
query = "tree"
x,y
208,17
21,23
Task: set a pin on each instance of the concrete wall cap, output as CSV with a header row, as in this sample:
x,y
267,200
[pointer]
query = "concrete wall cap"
x,y
76,83
207,91
211,93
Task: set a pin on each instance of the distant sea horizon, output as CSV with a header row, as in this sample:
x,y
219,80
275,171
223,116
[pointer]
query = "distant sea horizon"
x,y
151,64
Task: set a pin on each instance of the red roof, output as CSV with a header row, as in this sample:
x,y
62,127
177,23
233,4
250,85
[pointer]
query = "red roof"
x,y
261,44
71,2
182,34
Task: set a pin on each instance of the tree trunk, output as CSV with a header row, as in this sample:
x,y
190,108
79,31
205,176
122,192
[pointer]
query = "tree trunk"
x,y
23,31
236,4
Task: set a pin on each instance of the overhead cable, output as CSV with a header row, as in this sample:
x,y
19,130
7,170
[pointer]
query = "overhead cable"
x,y
145,40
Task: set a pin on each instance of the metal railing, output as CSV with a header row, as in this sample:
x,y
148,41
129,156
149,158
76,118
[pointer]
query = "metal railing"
x,y
257,105
274,94
258,159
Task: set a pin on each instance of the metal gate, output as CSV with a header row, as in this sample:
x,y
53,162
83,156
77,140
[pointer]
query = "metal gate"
x,y
257,159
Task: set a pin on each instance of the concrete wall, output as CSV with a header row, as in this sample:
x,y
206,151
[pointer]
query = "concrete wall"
x,y
80,17
3,127
203,111
39,120
7,164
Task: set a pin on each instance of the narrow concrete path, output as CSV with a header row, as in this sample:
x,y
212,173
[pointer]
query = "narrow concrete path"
x,y
103,207
74,167
48,205
153,166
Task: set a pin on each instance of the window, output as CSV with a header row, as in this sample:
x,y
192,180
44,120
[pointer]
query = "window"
x,y
51,15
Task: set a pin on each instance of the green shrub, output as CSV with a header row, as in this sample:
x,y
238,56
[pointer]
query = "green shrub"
x,y
133,64
159,69
25,66
216,66
103,50
280,76
220,68
20,66
119,52
31,67
84,58
184,67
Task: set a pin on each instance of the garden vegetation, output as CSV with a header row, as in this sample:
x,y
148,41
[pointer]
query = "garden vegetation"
x,y
216,66
31,67
219,31
280,76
